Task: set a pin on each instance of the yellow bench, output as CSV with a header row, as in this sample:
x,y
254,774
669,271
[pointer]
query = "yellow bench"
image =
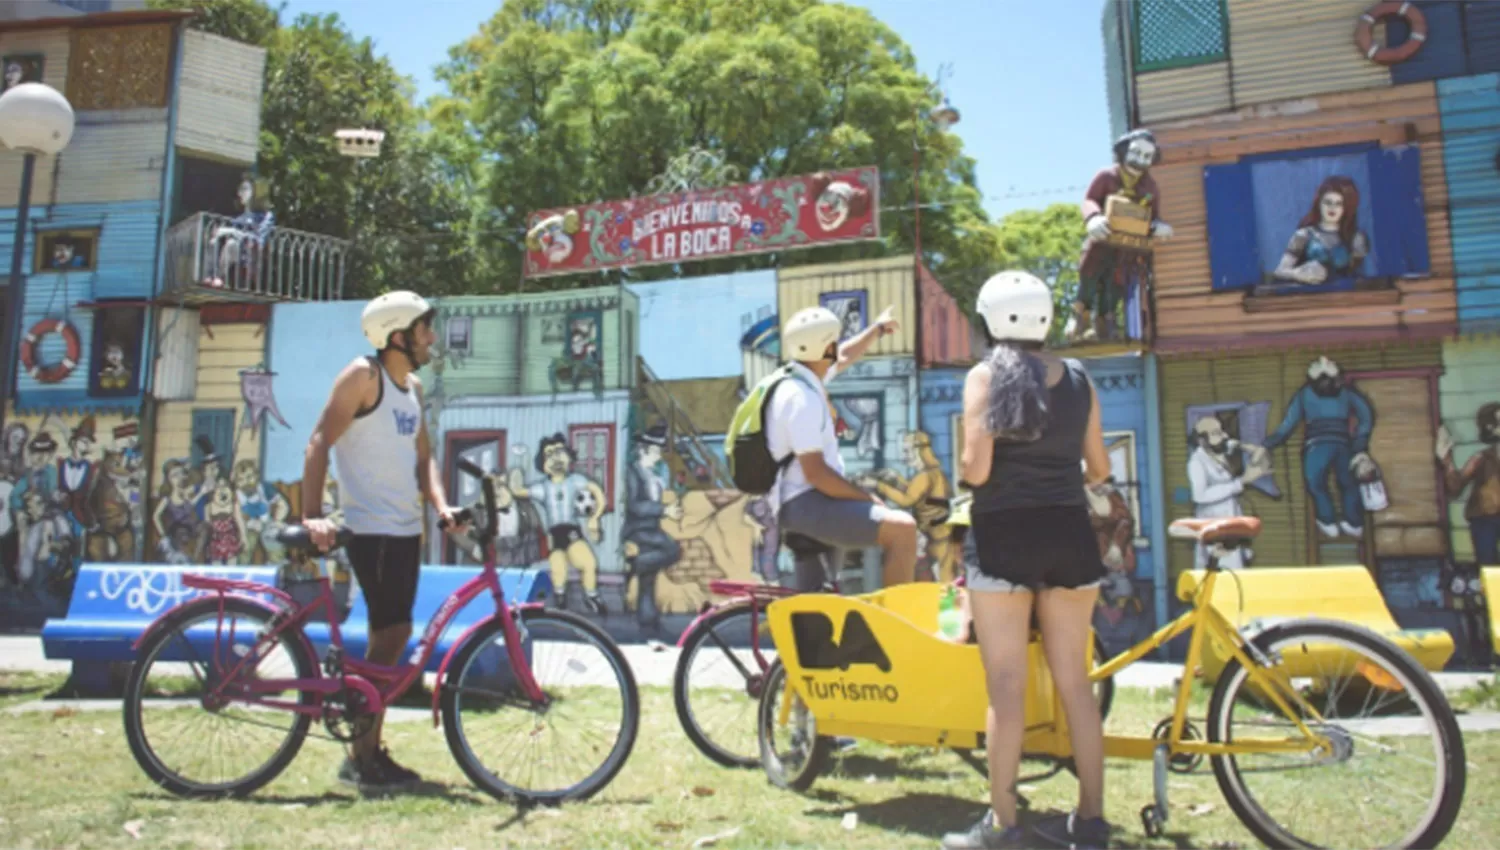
x,y
1491,579
1260,597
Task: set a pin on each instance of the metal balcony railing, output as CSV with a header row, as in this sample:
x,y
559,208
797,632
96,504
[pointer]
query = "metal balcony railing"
x,y
212,257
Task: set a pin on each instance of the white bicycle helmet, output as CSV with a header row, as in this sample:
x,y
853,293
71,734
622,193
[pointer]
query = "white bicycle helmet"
x,y
1016,307
391,312
809,333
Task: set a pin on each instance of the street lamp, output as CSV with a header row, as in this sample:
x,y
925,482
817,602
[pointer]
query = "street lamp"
x,y
942,116
34,119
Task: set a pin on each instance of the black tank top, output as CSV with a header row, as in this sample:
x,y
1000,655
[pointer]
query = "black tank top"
x,y
1047,472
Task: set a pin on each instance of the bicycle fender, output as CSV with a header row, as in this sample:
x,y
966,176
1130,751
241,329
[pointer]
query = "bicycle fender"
x,y
442,673
704,615
166,617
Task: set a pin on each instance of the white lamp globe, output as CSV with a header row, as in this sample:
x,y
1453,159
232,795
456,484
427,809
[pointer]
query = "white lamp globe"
x,y
35,118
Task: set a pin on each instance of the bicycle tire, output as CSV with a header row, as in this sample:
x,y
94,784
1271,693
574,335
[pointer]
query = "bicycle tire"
x,y
682,688
1226,772
770,706
297,647
595,781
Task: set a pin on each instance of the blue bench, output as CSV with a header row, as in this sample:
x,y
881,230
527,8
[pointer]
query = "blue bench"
x,y
112,605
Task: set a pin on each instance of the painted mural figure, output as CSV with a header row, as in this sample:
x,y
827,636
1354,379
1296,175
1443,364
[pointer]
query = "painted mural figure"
x,y
518,528
226,527
1481,476
236,245
1324,407
1328,243
765,540
1120,212
178,526
66,256
116,524
1216,489
13,456
114,374
263,512
46,545
1114,527
645,505
927,496
569,503
581,359
75,475
39,480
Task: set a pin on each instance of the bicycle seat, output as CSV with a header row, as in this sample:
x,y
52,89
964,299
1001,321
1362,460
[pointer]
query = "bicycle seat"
x,y
298,541
1227,530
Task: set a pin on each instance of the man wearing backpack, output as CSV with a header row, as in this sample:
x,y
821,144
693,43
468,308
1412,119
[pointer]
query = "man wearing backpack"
x,y
792,454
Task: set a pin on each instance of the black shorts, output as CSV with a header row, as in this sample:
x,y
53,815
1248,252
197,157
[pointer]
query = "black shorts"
x,y
1032,548
387,569
564,536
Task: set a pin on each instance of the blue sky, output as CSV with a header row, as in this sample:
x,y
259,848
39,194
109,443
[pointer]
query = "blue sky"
x,y
1027,77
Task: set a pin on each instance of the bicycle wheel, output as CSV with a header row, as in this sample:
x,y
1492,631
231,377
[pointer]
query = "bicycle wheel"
x,y
806,755
588,685
171,718
716,686
1405,737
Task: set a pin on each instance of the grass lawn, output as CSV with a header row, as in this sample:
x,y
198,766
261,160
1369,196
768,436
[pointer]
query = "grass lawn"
x,y
70,782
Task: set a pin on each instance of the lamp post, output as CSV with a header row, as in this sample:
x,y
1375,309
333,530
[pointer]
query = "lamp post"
x,y
942,116
34,119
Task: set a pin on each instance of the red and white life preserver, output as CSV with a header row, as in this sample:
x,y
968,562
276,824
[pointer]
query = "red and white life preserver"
x,y
57,371
1364,32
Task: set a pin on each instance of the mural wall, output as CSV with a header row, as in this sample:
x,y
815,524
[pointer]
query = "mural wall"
x,y
70,491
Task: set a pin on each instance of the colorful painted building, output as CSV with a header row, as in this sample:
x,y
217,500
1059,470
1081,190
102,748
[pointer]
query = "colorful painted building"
x,y
1320,310
141,235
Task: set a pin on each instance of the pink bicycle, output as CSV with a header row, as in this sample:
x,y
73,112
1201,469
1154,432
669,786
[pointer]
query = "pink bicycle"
x,y
543,686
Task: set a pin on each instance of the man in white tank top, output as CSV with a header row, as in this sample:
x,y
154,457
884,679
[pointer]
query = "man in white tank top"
x,y
373,423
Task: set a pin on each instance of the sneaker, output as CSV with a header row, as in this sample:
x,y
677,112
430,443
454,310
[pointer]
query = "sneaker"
x,y
595,605
1076,833
986,835
395,772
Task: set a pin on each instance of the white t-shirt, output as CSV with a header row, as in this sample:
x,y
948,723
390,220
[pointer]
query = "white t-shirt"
x,y
798,422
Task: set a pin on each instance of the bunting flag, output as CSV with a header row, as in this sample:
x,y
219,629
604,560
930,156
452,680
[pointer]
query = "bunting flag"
x,y
255,388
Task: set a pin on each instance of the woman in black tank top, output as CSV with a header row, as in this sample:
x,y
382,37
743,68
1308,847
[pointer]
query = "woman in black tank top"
x,y
1032,436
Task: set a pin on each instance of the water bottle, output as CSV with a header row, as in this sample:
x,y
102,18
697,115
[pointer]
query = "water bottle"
x,y
950,619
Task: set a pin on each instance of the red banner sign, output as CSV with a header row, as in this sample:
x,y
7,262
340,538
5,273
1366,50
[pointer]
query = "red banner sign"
x,y
751,218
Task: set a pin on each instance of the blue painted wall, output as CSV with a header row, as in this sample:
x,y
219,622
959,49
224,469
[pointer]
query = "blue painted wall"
x,y
1470,110
310,344
942,399
127,246
690,327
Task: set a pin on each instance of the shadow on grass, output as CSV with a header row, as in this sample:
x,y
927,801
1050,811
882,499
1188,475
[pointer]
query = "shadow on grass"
x,y
932,815
453,794
891,767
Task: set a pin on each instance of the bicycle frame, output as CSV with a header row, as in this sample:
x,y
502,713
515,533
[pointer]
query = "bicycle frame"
x,y
379,684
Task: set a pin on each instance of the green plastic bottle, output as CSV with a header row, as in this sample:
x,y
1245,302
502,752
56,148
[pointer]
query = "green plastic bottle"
x,y
950,619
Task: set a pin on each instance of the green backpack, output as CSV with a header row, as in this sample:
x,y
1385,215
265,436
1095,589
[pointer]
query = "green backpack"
x,y
751,465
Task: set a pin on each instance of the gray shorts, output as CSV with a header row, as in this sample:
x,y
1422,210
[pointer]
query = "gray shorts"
x,y
839,524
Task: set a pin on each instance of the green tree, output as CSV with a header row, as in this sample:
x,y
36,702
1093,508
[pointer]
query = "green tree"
x,y
404,212
557,102
1048,243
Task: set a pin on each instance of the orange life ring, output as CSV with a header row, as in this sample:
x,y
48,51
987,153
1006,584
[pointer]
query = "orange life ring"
x,y
56,371
1364,32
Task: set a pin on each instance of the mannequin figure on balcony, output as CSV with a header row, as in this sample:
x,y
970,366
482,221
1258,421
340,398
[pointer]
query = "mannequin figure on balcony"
x,y
237,245
1120,212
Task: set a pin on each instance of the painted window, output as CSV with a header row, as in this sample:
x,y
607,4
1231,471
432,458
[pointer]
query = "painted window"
x,y
62,251
22,68
594,450
119,67
458,331
860,423
1180,33
585,336
851,306
213,437
114,366
486,449
1346,219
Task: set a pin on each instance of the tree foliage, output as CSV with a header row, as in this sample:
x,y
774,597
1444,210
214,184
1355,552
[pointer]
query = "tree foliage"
x,y
401,209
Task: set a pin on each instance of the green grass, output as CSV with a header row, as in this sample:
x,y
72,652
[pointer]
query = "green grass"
x,y
1483,696
71,782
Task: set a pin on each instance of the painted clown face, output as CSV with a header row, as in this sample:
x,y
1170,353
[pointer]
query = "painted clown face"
x,y
1140,155
833,205
556,243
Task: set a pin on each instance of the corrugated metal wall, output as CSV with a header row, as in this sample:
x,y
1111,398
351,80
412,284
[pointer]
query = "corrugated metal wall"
x,y
53,45
886,282
1471,379
1190,313
176,354
117,156
1182,92
218,110
1282,49
1471,127
526,421
223,351
1273,378
947,335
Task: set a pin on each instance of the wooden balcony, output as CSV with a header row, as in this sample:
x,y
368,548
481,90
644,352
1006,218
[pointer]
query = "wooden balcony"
x,y
1129,328
213,258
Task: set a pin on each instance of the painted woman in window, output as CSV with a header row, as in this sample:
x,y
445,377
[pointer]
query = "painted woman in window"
x,y
1328,244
